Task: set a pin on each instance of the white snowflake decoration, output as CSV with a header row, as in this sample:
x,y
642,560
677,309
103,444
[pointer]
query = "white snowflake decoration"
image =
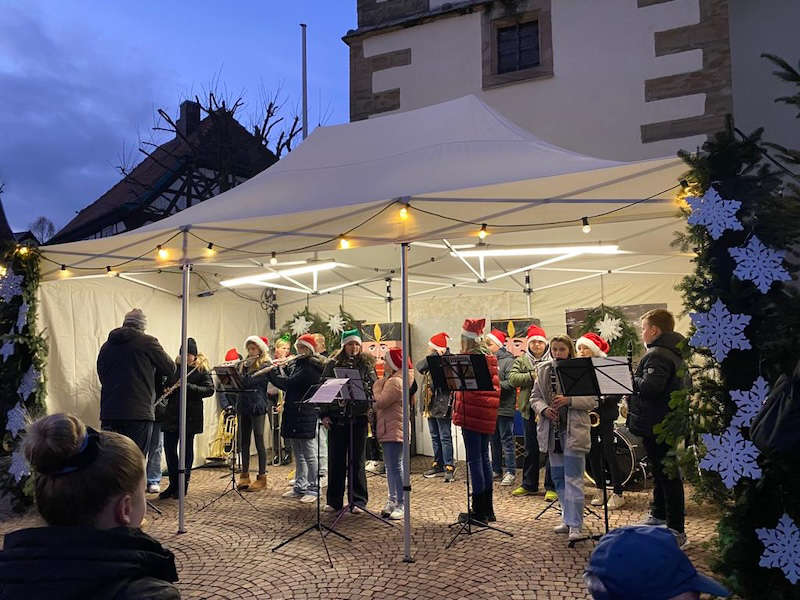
x,y
759,264
300,326
19,467
10,285
29,383
22,317
609,328
336,324
7,349
749,402
720,331
17,419
781,548
732,456
714,213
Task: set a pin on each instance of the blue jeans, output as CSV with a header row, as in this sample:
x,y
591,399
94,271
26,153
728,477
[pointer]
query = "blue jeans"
x,y
504,438
442,441
393,459
480,469
154,455
567,471
323,451
305,465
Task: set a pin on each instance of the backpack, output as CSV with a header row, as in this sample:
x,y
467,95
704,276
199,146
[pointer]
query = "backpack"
x,y
776,427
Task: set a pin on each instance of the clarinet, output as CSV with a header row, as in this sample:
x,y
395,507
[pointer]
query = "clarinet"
x,y
556,424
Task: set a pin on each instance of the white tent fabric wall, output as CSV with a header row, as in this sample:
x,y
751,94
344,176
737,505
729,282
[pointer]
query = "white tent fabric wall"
x,y
77,316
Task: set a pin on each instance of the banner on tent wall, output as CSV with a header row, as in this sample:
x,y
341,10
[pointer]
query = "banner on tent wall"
x,y
378,338
515,330
576,317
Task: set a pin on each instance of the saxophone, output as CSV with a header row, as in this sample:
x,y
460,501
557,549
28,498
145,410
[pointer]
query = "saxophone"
x,y
556,424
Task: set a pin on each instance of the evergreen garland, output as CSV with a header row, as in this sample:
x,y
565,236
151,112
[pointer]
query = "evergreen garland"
x,y
619,347
30,350
319,324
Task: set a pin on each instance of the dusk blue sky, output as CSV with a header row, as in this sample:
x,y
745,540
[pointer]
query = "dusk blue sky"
x,y
81,80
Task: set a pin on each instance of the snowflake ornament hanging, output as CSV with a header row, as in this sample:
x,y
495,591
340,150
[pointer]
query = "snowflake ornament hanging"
x,y
759,264
749,402
300,326
714,213
609,328
730,455
22,317
781,548
7,349
16,419
29,382
19,467
336,324
10,286
720,331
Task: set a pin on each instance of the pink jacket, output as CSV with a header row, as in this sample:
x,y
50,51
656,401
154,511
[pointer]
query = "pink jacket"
x,y
388,394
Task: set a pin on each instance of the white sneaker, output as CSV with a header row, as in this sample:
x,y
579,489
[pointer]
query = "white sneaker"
x,y
323,481
616,501
653,521
307,498
508,479
153,488
291,481
370,465
329,508
357,510
597,500
291,494
387,510
562,528
574,534
397,514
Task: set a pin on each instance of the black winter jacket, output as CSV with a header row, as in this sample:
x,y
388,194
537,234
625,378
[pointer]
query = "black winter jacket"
x,y
75,563
253,402
508,392
655,379
199,385
441,403
128,365
366,367
299,419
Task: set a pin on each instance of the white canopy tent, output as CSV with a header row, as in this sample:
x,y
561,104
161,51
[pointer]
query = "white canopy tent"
x,y
455,167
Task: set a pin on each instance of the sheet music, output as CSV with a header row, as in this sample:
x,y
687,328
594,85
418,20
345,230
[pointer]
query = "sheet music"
x,y
327,392
354,390
613,375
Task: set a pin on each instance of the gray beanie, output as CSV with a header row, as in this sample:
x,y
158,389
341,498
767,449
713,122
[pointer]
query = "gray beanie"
x,y
135,319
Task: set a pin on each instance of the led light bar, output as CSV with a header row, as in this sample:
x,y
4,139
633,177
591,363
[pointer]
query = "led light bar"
x,y
273,275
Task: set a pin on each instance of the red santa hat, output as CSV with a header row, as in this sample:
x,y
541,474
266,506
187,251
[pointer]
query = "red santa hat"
x,y
261,342
497,336
595,343
473,328
535,333
308,341
393,358
231,355
439,341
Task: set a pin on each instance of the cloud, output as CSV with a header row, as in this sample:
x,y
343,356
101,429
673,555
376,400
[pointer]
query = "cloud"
x,y
67,106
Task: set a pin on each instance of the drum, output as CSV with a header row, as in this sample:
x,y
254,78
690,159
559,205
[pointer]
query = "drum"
x,y
631,460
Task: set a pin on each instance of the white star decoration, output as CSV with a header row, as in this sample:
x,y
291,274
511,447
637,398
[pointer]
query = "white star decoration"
x,y
7,349
22,317
749,402
781,548
714,213
29,382
300,326
336,324
759,264
10,286
730,455
19,467
17,419
609,328
720,331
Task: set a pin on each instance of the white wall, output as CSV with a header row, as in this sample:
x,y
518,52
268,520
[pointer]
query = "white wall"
x,y
594,103
76,316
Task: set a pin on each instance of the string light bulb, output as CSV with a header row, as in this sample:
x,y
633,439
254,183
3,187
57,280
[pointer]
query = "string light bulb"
x,y
344,243
63,267
110,272
404,212
586,227
483,233
161,253
210,249
273,259
22,250
64,273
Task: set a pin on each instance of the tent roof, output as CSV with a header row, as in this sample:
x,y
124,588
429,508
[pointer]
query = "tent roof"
x,y
458,163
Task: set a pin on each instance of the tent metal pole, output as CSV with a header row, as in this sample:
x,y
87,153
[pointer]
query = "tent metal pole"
x,y
187,269
406,413
528,292
389,299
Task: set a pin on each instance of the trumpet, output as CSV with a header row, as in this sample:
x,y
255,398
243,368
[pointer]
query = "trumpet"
x,y
594,418
162,399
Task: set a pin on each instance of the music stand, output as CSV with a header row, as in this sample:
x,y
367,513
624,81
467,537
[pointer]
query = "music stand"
x,y
595,377
317,395
230,382
350,392
460,373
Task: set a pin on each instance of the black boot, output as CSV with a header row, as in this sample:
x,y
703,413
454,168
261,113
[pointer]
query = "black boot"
x,y
170,492
490,505
478,508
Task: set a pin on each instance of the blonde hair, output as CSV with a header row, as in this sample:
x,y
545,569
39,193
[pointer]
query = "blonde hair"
x,y
262,360
78,497
567,341
320,341
200,361
472,345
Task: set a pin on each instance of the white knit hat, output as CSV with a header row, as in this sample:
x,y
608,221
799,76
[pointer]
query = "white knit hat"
x,y
262,345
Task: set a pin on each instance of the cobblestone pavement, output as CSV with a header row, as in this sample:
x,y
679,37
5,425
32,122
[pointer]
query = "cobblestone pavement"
x,y
226,551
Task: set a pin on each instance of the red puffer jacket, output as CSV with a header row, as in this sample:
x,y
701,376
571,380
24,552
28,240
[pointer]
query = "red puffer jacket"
x,y
477,411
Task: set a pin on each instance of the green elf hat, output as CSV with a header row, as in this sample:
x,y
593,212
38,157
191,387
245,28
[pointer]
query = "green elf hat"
x,y
351,335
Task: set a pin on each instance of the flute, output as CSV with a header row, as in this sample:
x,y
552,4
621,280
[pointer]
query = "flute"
x,y
556,424
280,362
163,398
